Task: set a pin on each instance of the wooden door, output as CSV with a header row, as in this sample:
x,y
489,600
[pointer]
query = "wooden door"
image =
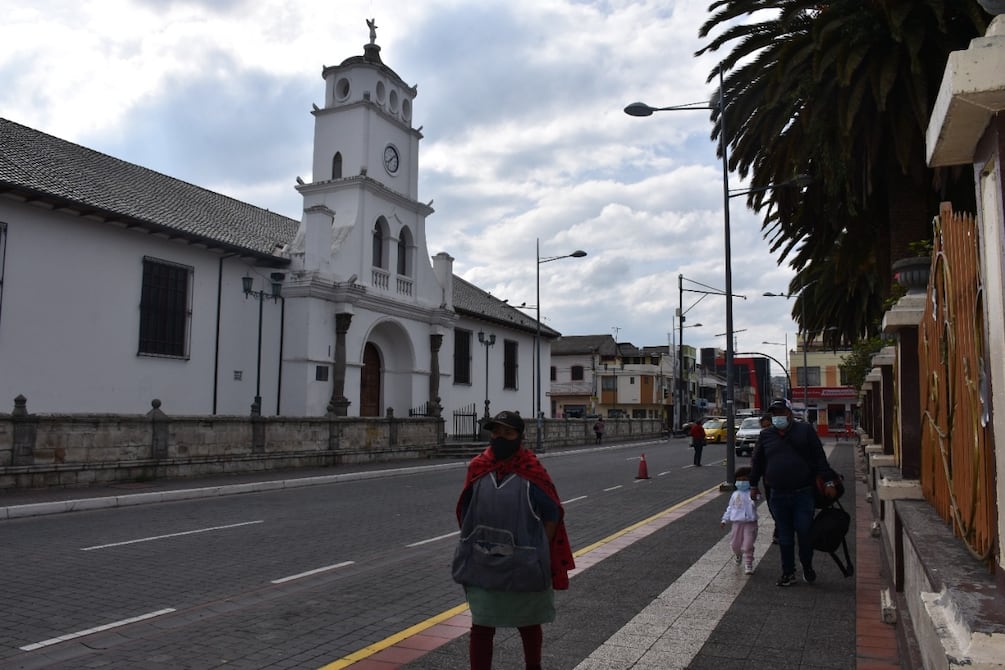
x,y
369,388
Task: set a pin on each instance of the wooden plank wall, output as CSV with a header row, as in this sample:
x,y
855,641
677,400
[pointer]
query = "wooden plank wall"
x,y
957,459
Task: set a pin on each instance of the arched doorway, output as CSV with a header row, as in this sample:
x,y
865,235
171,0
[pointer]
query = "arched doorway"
x,y
369,387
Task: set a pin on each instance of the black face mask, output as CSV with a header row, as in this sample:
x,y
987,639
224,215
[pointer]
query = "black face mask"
x,y
503,448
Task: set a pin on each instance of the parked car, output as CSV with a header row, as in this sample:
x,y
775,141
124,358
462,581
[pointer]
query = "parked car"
x,y
746,436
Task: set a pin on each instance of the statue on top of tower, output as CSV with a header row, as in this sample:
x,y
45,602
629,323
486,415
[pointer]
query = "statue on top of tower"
x,y
372,24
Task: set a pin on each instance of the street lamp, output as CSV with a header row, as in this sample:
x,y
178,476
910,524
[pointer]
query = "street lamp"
x,y
802,318
488,342
788,380
642,109
760,353
248,286
679,383
578,253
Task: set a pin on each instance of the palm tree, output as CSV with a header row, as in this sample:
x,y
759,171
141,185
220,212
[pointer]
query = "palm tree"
x,y
842,91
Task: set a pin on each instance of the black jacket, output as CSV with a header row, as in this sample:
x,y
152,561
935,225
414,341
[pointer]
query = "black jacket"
x,y
788,461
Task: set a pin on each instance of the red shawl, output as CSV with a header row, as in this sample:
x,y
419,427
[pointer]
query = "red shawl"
x,y
524,464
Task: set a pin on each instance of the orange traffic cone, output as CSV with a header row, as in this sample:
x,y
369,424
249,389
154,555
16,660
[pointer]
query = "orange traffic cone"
x,y
643,469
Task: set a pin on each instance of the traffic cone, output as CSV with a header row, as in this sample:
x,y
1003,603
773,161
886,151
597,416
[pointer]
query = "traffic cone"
x,y
643,469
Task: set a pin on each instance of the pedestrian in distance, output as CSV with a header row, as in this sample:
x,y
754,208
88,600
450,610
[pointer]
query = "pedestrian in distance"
x,y
789,456
514,550
741,513
598,429
697,442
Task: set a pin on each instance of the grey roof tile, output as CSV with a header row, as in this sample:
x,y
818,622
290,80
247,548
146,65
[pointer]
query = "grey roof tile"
x,y
40,166
584,344
473,301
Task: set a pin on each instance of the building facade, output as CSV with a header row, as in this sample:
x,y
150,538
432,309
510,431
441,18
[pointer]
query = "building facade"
x,y
121,285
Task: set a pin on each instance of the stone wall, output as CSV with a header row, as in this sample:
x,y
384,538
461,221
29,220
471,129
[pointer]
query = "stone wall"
x,y
38,450
41,450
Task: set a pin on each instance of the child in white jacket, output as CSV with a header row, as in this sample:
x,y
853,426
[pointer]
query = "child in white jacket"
x,y
741,512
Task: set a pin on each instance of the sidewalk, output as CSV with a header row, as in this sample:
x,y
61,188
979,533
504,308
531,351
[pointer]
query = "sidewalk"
x,y
664,594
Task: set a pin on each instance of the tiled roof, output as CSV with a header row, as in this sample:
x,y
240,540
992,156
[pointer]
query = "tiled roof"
x,y
584,344
472,301
38,166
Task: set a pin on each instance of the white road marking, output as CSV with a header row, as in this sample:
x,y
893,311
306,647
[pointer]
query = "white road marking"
x,y
613,488
434,539
572,500
162,537
282,580
663,473
96,629
664,634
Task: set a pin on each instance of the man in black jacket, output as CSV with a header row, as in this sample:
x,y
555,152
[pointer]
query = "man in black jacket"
x,y
789,456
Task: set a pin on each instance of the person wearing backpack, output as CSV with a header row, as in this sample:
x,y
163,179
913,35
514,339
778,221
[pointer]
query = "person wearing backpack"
x,y
514,550
790,456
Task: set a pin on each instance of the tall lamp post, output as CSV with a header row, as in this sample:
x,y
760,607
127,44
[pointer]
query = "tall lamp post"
x,y
788,380
679,383
785,370
718,104
802,327
578,253
487,341
642,109
248,286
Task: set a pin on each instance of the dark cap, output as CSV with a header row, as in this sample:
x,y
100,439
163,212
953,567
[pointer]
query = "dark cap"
x,y
507,419
781,403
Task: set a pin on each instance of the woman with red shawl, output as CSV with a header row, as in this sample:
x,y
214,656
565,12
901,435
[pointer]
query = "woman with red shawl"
x,y
514,550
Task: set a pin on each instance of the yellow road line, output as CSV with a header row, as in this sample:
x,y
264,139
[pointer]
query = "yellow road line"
x,y
390,641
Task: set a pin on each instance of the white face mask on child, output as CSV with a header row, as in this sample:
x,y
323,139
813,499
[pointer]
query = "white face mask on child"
x,y
742,486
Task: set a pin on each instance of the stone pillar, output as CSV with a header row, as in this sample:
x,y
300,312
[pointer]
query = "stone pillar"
x,y
884,360
903,321
434,407
25,432
160,430
339,404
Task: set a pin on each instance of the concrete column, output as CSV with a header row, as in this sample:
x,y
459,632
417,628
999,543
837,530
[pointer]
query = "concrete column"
x,y
25,433
160,430
339,404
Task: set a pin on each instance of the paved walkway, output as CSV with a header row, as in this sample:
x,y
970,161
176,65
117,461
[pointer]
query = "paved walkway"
x,y
660,595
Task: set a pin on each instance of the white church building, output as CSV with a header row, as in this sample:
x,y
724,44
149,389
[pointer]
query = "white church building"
x,y
120,285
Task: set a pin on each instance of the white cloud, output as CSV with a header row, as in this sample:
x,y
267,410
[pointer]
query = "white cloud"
x,y
521,106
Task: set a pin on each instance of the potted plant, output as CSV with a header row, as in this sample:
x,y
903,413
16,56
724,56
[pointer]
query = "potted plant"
x,y
912,272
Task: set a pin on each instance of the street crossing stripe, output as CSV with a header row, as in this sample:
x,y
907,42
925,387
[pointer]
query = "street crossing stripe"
x,y
163,537
433,539
283,580
96,629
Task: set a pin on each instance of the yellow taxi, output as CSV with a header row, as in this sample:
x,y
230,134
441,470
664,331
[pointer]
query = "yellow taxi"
x,y
715,430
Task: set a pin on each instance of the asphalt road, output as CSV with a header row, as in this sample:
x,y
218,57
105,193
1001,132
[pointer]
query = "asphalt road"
x,y
292,578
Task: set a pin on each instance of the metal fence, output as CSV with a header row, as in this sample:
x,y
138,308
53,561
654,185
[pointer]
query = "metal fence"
x,y
466,422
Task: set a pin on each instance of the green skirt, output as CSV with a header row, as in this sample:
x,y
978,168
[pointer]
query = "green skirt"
x,y
509,609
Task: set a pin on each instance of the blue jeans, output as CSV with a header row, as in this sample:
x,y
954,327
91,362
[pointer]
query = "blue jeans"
x,y
793,512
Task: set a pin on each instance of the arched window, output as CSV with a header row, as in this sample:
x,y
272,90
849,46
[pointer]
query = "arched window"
x,y
378,245
337,165
405,246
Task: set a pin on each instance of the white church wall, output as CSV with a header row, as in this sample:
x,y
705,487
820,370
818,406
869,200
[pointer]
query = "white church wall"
x,y
69,331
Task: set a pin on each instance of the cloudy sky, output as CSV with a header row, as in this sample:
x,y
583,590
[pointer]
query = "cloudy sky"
x,y
524,135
